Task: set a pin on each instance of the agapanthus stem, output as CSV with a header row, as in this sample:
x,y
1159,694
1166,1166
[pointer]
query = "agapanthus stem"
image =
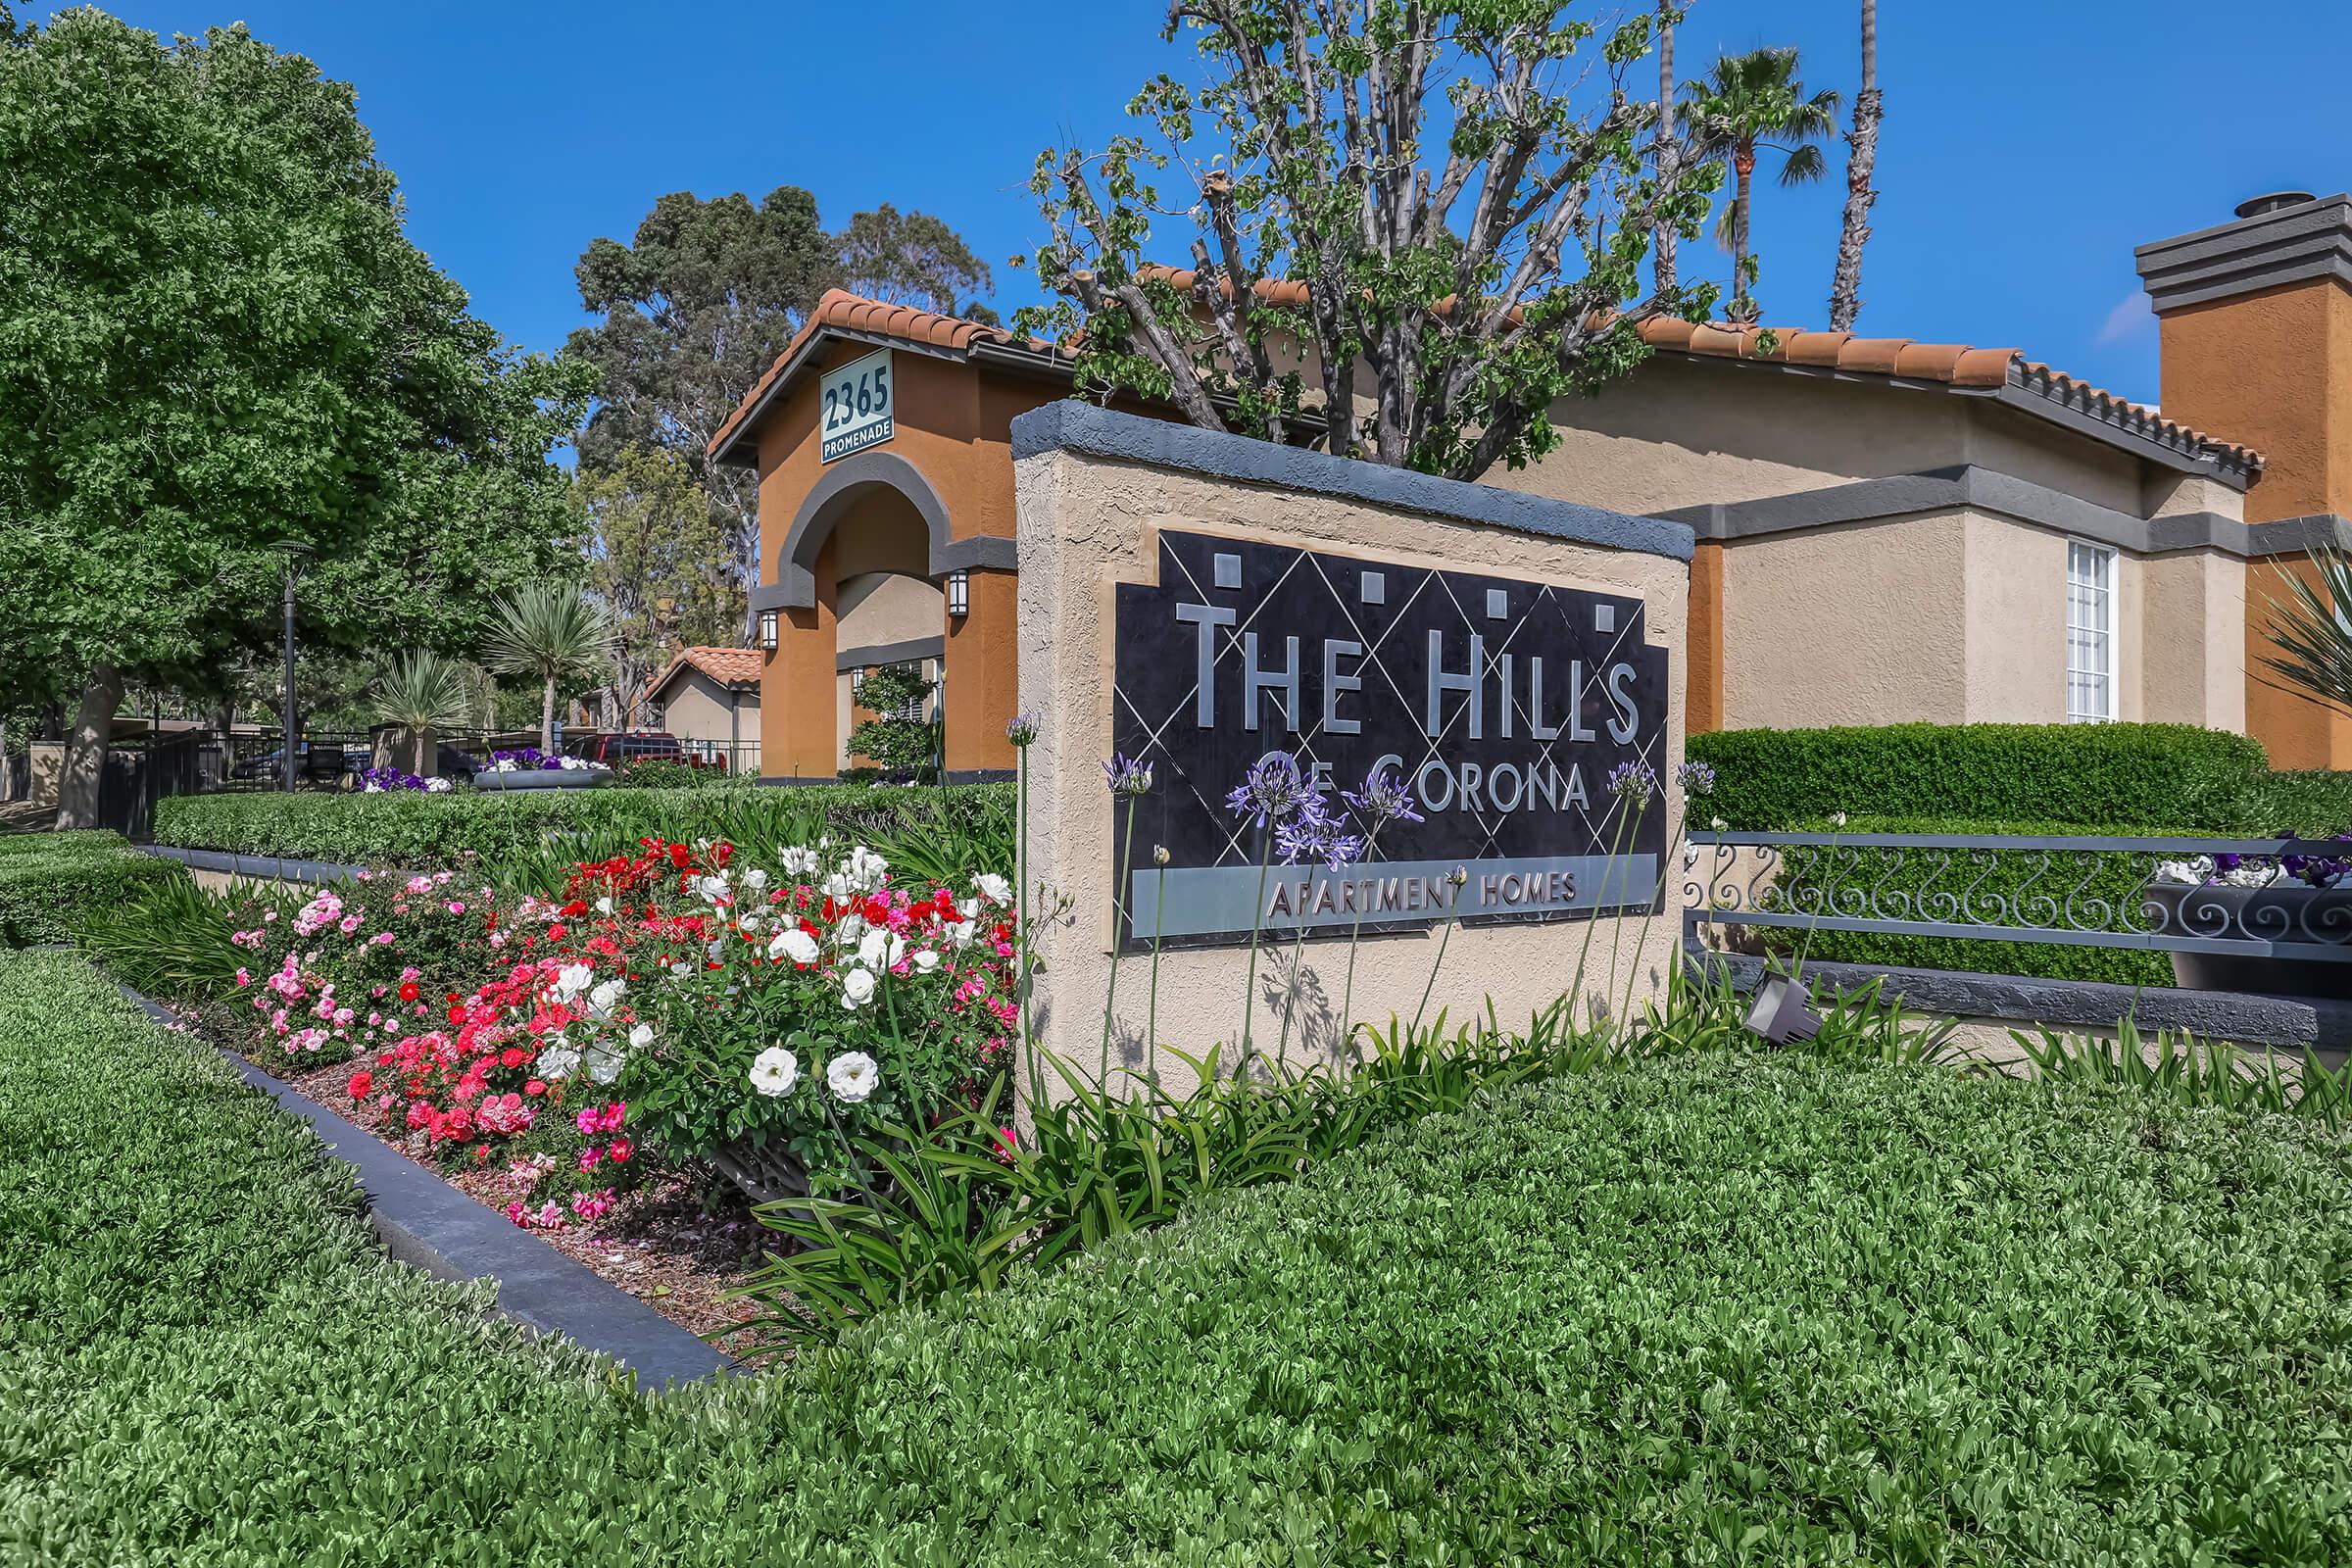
x,y
1258,918
1617,926
1282,1049
1443,937
1118,916
1160,921
1576,984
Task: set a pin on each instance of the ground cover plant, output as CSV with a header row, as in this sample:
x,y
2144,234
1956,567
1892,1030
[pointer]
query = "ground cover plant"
x,y
52,885
1717,1307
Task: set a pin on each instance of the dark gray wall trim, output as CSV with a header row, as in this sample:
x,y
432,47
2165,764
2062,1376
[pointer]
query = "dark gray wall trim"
x,y
908,651
795,585
2249,1020
2291,536
2066,402
2311,240
1073,426
1978,489
982,775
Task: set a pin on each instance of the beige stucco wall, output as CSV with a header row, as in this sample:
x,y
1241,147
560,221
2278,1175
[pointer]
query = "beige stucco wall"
x,y
880,607
1086,524
696,708
1840,625
1949,616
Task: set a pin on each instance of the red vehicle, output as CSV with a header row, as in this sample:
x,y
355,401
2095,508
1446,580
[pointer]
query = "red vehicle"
x,y
618,750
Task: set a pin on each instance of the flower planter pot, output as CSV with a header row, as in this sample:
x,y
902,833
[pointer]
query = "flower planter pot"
x,y
2285,914
539,778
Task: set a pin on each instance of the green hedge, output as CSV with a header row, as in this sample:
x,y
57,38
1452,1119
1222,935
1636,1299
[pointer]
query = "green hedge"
x,y
51,883
1715,1309
432,831
2193,780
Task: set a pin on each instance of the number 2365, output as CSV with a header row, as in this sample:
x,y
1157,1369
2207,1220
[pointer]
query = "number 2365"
x,y
848,401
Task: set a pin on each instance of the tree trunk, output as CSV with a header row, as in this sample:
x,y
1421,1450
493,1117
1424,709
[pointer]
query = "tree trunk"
x,y
547,715
85,749
1862,161
1663,235
1743,170
7,773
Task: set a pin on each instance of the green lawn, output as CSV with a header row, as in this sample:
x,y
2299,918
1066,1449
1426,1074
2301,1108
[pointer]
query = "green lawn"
x,y
1703,1310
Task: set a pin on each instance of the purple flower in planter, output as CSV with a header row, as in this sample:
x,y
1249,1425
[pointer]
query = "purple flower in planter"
x,y
1272,791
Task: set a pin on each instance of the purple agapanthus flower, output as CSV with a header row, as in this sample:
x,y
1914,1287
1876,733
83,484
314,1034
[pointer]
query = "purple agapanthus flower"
x,y
1126,776
1698,779
1021,729
1316,833
1634,782
1385,797
1272,791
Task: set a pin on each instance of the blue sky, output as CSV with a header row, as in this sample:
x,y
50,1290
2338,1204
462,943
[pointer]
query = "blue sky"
x,y
2028,145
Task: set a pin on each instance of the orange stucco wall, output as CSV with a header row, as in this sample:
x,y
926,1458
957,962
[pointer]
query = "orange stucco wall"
x,y
952,423
2274,369
1702,685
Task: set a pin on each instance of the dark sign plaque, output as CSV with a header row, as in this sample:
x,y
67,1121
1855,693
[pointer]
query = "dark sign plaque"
x,y
1504,705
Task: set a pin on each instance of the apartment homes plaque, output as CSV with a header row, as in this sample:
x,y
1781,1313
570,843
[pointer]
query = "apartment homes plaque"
x,y
1504,705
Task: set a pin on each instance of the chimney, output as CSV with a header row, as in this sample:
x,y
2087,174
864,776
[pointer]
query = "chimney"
x,y
2254,324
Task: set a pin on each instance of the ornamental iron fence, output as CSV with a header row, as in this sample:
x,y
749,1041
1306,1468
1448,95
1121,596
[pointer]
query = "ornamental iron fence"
x,y
2065,891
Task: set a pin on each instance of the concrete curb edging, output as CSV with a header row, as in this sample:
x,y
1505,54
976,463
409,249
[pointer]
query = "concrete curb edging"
x,y
428,1224
256,867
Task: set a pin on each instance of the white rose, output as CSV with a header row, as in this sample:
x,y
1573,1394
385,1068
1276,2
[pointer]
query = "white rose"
x,y
960,933
857,988
926,959
603,1064
794,944
851,929
601,999
604,905
573,979
852,1076
774,1071
559,1061
713,889
755,879
641,1037
995,887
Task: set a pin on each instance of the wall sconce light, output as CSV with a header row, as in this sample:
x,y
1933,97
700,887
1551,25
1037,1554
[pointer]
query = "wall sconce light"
x,y
1783,1011
858,681
768,630
959,593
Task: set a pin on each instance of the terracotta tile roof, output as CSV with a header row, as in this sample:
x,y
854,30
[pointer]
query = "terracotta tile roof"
x,y
729,667
1958,365
841,311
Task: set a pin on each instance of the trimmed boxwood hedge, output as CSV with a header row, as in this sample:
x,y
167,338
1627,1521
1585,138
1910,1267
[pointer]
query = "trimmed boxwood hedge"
x,y
433,831
51,882
1714,1309
2190,779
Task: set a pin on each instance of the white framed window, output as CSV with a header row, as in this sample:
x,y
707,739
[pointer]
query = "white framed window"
x,y
2090,677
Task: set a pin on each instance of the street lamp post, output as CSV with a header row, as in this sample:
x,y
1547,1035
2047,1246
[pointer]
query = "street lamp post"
x,y
295,555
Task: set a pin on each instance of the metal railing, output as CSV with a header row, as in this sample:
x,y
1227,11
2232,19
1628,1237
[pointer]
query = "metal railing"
x,y
2068,891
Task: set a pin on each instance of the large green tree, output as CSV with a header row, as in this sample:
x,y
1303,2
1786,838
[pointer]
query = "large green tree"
x,y
697,307
216,338
1465,192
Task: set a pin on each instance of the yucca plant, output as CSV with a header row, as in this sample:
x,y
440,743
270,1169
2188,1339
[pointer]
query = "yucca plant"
x,y
424,690
554,634
2311,629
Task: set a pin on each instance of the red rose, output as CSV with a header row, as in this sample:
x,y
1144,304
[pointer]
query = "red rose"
x,y
620,1151
407,991
359,1086
535,1087
457,1015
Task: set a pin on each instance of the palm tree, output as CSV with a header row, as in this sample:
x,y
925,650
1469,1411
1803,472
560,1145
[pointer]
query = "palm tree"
x,y
1669,149
1862,160
2312,629
1755,102
554,633
422,691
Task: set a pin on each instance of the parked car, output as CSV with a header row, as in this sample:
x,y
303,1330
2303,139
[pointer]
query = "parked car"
x,y
618,750
316,762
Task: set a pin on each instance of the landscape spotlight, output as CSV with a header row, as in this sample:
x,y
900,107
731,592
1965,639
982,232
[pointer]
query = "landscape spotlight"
x,y
1783,1011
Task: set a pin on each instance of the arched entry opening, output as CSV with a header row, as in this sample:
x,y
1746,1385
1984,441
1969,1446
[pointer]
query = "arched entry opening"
x,y
859,584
